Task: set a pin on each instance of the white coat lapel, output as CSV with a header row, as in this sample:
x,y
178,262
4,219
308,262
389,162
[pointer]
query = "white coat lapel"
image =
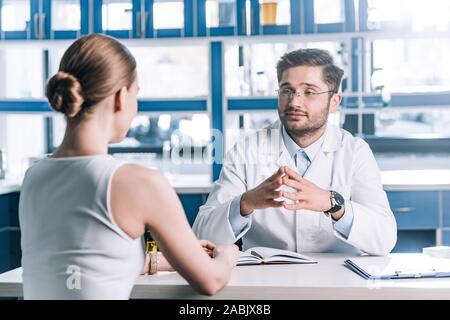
x,y
285,158
272,152
275,154
321,169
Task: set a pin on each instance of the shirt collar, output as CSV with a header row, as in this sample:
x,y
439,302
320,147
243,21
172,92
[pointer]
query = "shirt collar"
x,y
293,147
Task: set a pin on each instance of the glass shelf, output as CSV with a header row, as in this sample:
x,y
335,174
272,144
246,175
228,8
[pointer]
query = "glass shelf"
x,y
172,71
22,75
250,70
117,15
398,65
168,14
66,15
15,19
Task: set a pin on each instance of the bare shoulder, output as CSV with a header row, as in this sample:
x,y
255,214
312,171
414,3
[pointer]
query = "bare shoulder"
x,y
136,194
134,176
140,186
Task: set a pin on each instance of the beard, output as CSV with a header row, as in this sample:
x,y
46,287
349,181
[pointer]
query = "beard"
x,y
309,124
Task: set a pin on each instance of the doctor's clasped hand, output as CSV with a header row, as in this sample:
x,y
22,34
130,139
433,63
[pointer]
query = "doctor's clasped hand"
x,y
307,195
263,196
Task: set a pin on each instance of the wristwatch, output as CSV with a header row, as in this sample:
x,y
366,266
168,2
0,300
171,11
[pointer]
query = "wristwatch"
x,y
337,202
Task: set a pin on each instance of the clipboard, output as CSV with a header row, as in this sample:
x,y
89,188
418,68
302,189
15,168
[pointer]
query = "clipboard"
x,y
399,266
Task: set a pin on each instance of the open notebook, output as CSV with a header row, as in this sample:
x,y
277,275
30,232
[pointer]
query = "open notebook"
x,y
259,255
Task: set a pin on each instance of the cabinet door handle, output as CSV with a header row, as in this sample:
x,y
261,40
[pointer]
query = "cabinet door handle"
x,y
42,26
144,24
252,22
138,24
403,209
36,25
244,22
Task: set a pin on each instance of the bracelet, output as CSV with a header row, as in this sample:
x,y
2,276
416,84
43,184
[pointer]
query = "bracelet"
x,y
152,251
153,262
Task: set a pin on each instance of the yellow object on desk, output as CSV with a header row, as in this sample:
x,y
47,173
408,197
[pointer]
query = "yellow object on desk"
x,y
151,246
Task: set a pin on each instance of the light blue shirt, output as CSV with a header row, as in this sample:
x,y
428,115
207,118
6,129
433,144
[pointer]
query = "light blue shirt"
x,y
302,158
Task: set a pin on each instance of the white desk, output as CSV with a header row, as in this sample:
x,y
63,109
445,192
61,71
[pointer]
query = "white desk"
x,y
329,279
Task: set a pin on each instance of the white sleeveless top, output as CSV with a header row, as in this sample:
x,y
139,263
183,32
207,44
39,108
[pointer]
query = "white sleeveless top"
x,y
71,246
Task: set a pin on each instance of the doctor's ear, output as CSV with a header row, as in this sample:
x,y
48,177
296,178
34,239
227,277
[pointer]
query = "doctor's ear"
x,y
119,99
335,101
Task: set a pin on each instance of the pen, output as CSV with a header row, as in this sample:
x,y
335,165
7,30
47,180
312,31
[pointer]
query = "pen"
x,y
400,274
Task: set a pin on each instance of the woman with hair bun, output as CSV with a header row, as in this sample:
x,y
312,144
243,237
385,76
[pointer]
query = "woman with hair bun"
x,y
83,213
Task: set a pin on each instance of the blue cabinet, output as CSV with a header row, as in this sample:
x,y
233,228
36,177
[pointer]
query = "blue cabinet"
x,y
4,211
415,209
446,238
417,216
446,220
446,208
10,253
14,231
4,236
191,203
414,240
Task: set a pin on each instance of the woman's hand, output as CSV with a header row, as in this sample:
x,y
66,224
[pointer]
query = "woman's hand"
x,y
208,246
228,253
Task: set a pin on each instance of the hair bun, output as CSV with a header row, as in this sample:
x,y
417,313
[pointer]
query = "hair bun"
x,y
65,94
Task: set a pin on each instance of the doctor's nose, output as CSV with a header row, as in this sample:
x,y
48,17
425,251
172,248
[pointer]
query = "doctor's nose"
x,y
296,100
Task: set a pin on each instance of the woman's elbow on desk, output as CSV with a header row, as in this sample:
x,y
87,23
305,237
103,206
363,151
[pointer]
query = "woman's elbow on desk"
x,y
211,287
215,276
212,281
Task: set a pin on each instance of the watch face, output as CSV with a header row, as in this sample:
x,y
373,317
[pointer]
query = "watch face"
x,y
337,201
338,198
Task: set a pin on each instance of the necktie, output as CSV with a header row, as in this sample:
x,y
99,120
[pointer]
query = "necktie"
x,y
302,162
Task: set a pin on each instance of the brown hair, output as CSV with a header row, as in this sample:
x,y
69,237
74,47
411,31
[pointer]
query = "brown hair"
x,y
332,74
91,69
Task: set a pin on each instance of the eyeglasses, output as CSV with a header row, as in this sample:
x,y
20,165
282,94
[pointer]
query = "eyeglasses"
x,y
289,93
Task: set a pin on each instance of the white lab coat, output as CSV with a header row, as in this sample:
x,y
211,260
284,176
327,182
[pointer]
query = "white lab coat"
x,y
344,164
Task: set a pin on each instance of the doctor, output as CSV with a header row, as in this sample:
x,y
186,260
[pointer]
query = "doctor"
x,y
301,184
